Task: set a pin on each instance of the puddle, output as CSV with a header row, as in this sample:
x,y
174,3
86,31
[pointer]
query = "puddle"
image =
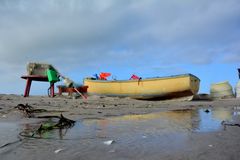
x,y
8,132
134,135
211,121
177,122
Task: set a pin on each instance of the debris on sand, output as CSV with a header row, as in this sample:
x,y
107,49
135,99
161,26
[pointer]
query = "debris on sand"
x,y
224,123
29,110
207,111
51,124
26,109
63,123
58,150
108,142
23,107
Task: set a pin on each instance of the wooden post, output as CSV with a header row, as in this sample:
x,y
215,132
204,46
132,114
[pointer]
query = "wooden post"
x,y
52,89
239,73
28,87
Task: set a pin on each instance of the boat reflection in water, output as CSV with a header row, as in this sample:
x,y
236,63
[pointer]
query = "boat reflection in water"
x,y
176,121
137,136
160,123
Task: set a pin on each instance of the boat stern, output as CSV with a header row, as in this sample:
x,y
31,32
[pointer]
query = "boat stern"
x,y
194,84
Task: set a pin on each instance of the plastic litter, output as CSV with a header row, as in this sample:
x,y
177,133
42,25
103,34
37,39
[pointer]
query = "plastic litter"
x,y
108,142
58,150
111,151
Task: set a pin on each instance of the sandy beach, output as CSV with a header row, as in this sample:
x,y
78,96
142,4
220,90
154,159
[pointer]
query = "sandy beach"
x,y
173,67
134,129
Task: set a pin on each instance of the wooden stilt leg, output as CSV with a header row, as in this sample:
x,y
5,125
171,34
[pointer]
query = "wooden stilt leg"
x,y
52,89
59,91
28,87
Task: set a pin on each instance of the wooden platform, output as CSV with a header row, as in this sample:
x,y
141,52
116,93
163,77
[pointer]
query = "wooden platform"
x,y
70,90
40,78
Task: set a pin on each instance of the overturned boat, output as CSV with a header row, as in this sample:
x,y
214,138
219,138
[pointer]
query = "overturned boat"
x,y
185,85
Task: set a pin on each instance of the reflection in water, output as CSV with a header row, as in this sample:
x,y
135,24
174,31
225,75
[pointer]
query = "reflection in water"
x,y
222,114
162,123
8,132
236,111
136,136
207,122
146,124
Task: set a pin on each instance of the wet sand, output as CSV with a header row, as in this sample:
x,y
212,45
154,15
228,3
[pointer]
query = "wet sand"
x,y
139,129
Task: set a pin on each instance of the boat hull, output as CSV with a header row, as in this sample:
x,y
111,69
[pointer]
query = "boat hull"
x,y
150,88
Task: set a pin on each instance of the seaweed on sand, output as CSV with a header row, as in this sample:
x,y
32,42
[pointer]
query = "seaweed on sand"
x,y
47,126
29,110
63,123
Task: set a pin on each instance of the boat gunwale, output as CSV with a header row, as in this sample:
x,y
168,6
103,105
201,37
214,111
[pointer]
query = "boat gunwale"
x,y
145,79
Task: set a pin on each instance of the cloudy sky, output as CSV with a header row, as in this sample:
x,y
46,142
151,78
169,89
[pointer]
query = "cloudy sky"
x,y
145,37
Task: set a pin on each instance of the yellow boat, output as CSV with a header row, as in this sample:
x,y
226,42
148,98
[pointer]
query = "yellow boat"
x,y
185,85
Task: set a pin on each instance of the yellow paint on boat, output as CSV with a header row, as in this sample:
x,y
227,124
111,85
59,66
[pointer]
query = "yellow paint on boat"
x,y
150,88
